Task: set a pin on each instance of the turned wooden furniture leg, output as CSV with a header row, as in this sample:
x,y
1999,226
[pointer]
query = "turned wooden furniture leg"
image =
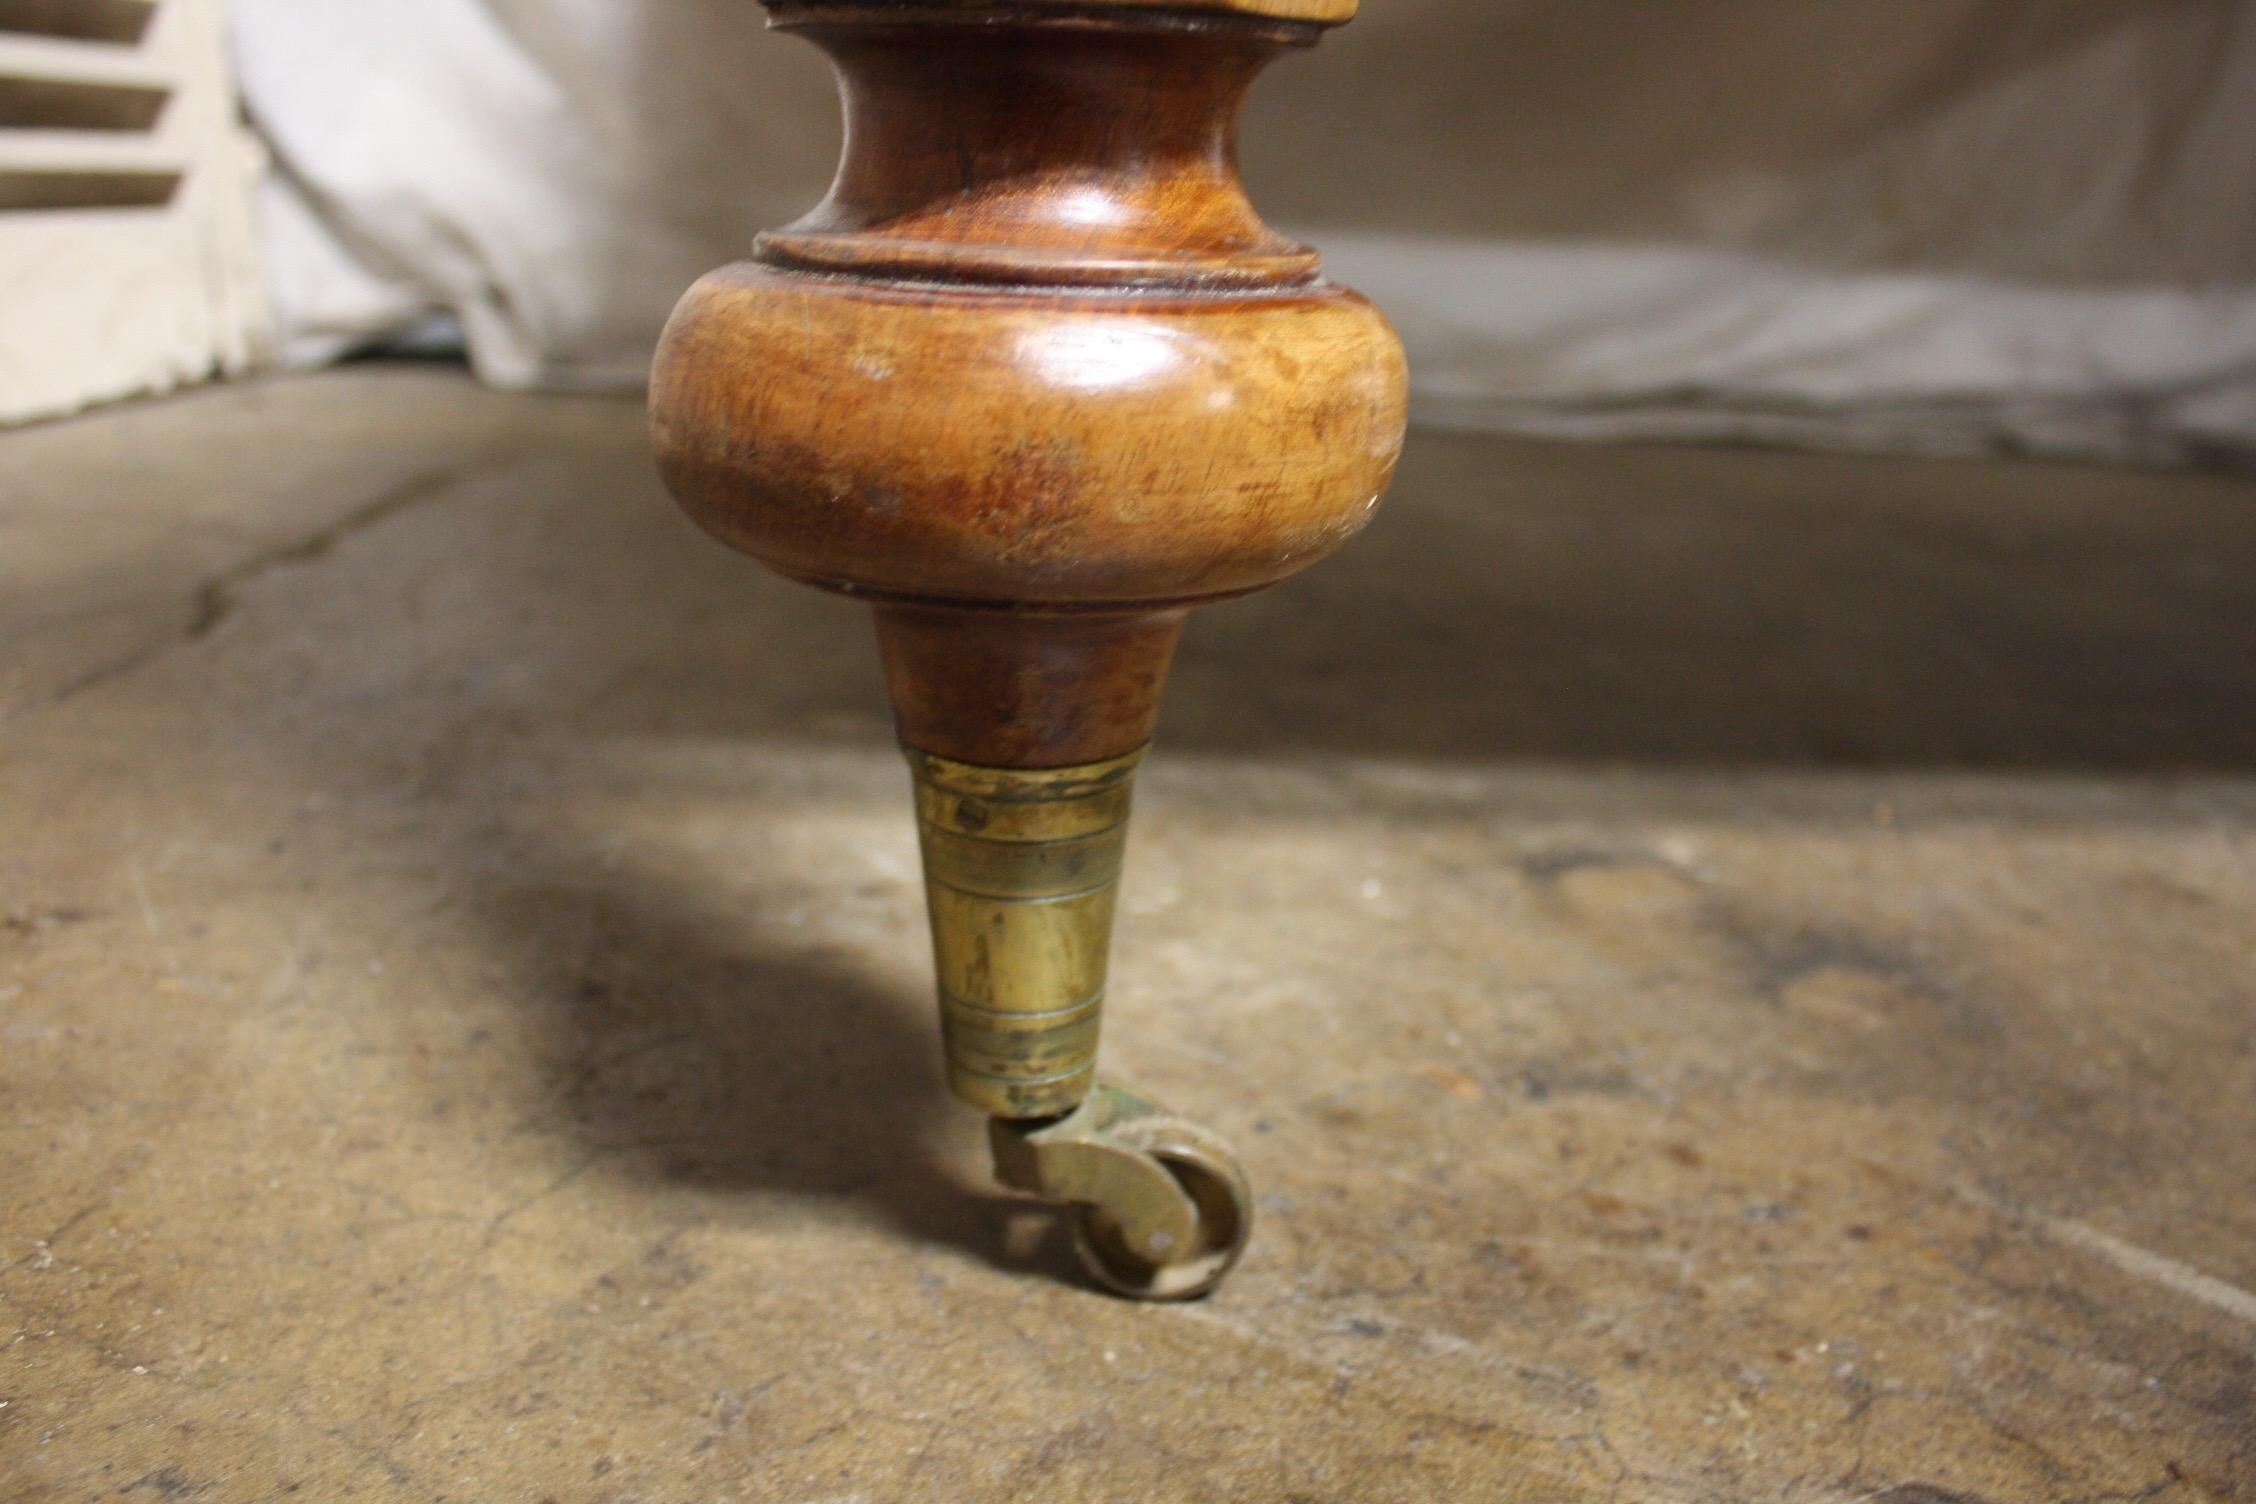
x,y
1034,380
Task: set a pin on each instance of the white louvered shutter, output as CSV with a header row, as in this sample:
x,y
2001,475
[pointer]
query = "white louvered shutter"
x,y
127,258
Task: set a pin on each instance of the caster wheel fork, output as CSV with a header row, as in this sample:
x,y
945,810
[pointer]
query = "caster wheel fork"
x,y
1161,1208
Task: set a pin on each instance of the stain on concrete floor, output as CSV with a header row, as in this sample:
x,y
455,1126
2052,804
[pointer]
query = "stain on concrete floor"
x,y
1732,973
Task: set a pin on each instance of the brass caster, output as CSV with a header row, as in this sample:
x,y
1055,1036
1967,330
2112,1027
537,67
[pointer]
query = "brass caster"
x,y
1161,1208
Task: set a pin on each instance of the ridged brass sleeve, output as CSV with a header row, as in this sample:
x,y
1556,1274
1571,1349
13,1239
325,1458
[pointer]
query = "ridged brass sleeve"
x,y
1021,870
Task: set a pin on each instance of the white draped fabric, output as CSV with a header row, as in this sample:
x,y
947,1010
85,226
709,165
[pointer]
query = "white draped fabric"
x,y
1948,226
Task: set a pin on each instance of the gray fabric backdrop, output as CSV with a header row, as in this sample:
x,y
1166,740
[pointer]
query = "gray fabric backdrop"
x,y
1940,225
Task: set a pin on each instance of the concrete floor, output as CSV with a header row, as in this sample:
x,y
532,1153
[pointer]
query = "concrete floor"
x,y
1732,973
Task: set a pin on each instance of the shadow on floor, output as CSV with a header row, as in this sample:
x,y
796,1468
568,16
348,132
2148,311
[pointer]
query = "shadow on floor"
x,y
1685,609
1520,601
675,1044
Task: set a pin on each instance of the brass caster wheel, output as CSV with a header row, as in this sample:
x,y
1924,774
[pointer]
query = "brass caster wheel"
x,y
1161,1208
1207,1172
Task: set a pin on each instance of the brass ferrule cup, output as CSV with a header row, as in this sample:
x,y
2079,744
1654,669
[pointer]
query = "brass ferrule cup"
x,y
1021,873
